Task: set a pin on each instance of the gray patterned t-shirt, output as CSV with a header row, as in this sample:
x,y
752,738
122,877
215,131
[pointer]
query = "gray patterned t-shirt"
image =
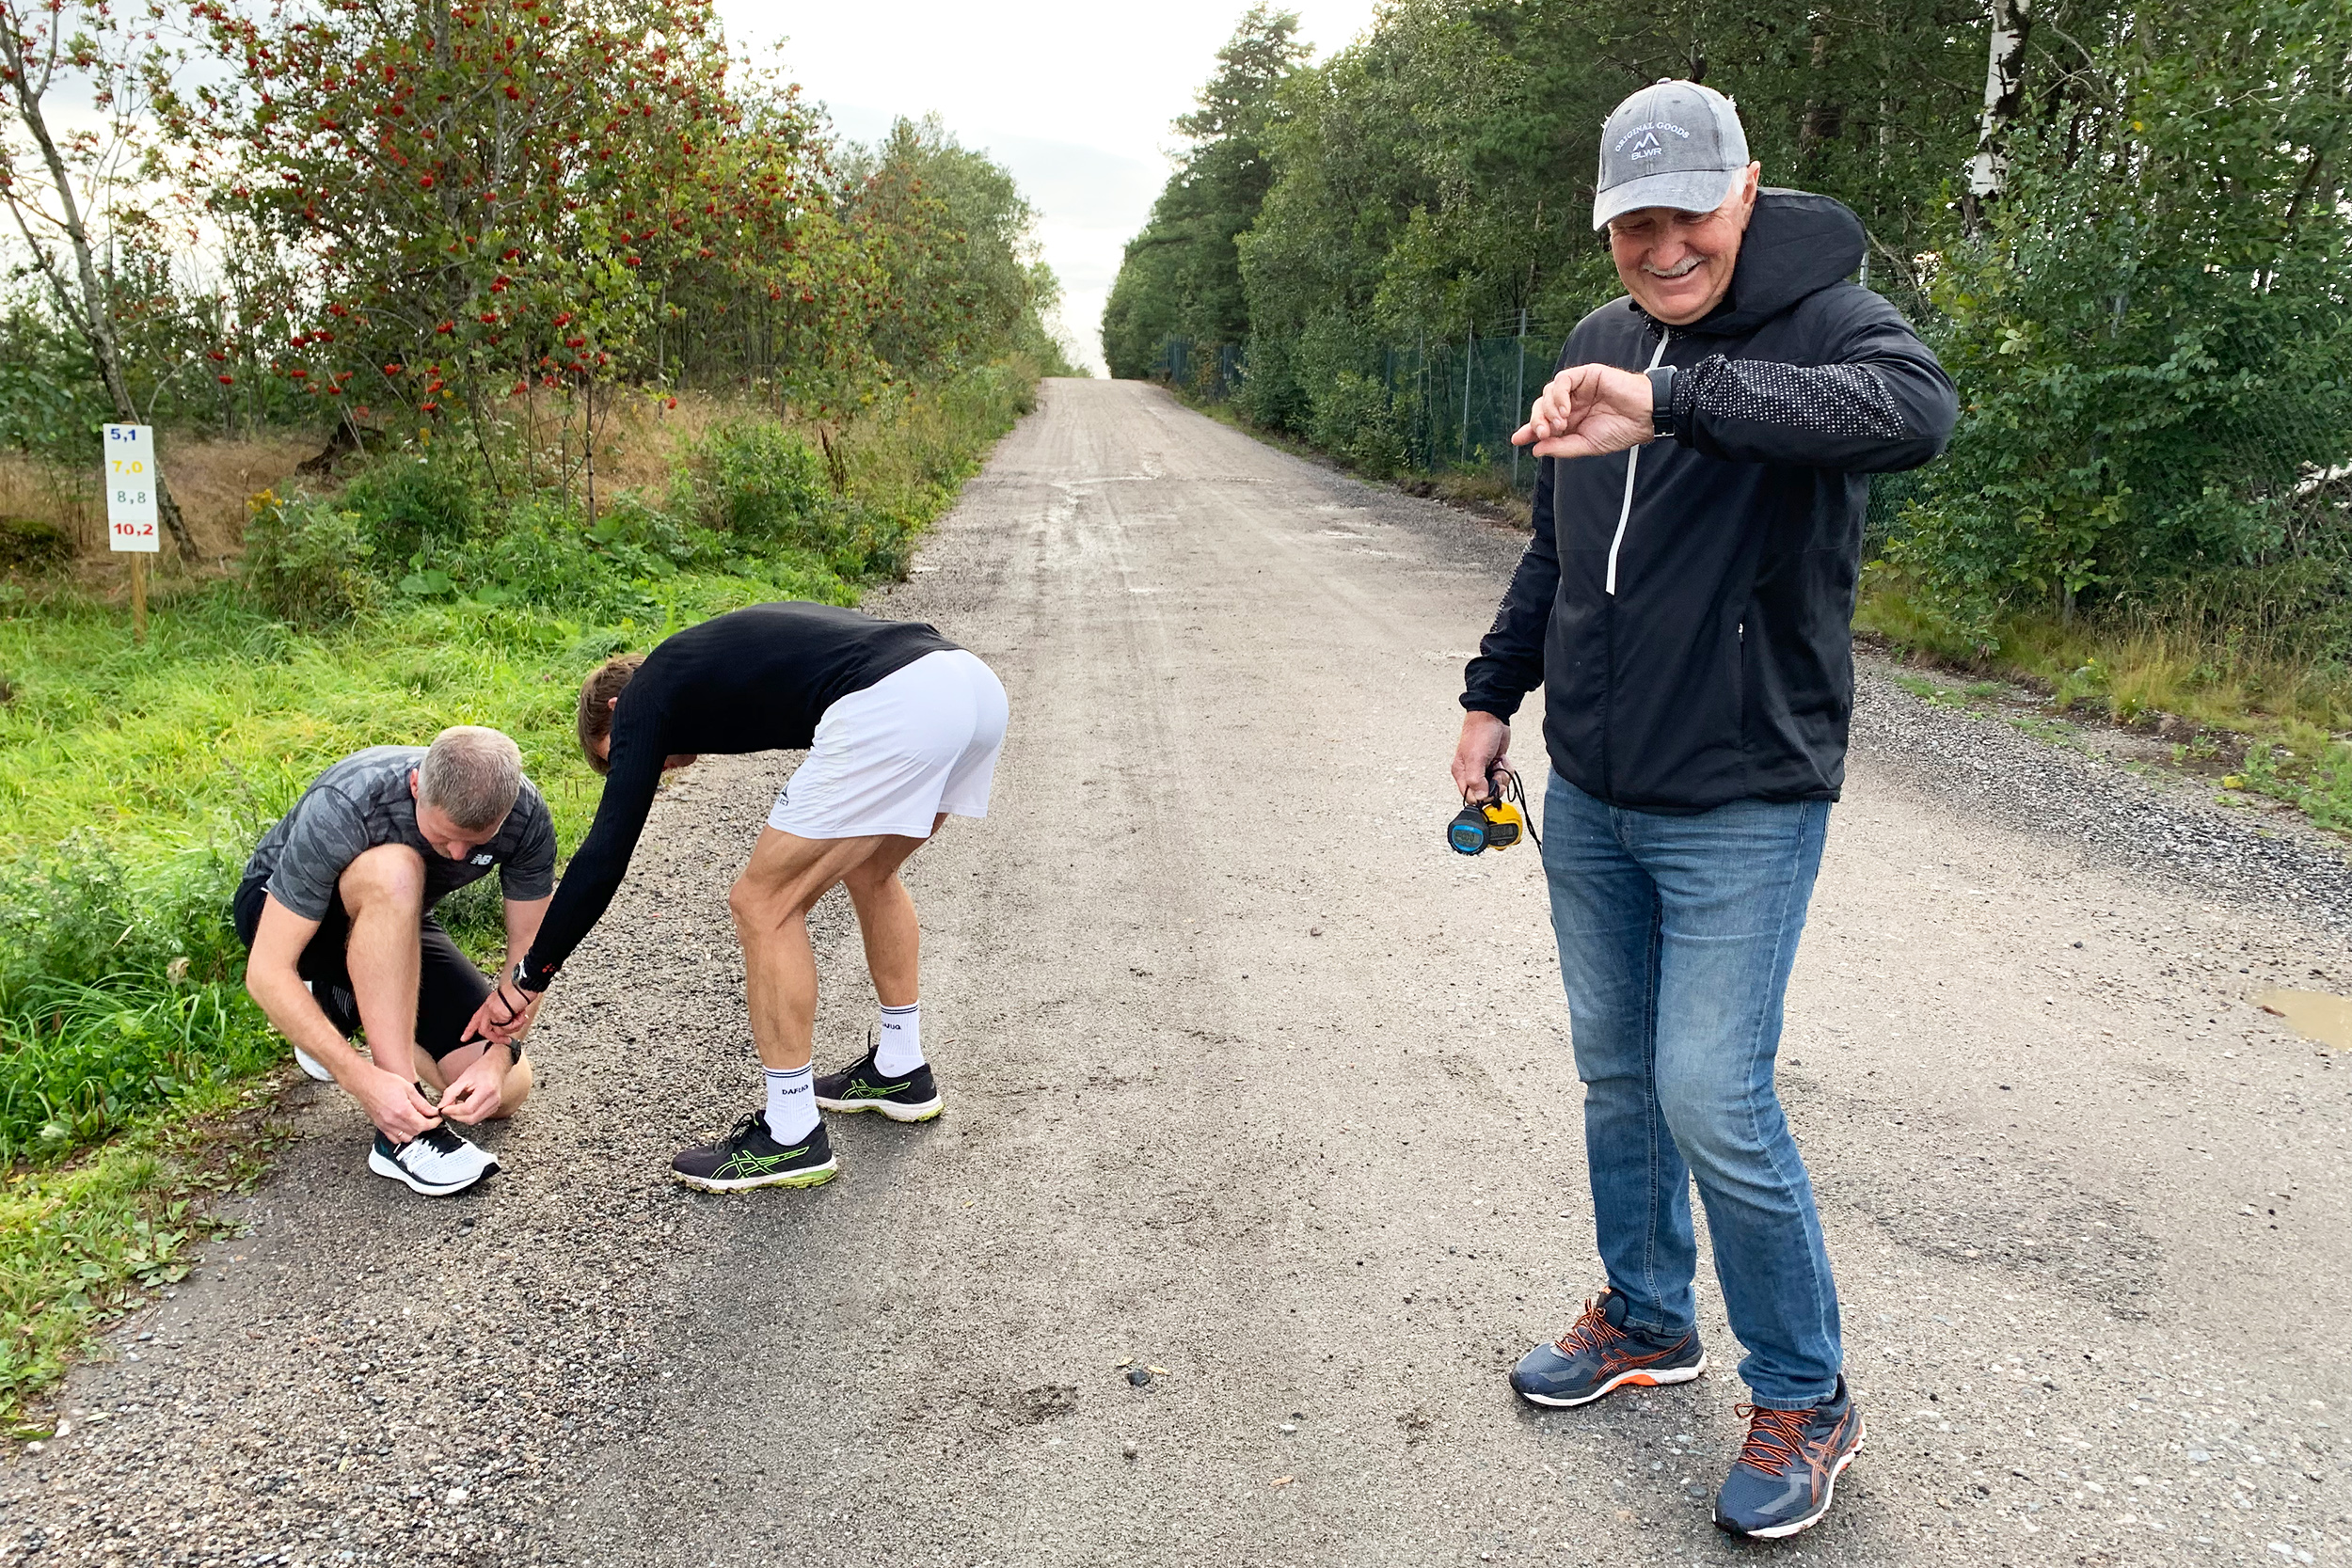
x,y
363,801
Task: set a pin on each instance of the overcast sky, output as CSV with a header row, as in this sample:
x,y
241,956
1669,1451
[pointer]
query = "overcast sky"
x,y
1073,96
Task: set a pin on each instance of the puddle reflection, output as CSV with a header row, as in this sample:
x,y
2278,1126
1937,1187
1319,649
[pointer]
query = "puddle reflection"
x,y
2315,1015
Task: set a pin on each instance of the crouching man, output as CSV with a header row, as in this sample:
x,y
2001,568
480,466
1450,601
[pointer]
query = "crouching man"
x,y
336,909
902,729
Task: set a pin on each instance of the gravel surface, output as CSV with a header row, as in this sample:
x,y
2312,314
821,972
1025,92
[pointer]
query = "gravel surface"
x,y
1263,1158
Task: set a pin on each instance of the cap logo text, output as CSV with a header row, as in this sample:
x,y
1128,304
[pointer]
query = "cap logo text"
x,y
1641,141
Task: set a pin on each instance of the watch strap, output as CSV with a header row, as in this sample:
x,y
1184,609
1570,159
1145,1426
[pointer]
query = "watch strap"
x,y
1661,400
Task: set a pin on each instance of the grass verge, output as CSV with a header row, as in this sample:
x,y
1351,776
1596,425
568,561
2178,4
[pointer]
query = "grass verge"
x,y
134,779
86,1239
2265,718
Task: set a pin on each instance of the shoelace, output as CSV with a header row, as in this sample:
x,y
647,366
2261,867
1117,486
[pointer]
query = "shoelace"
x,y
1774,1437
440,1138
752,1121
1591,1331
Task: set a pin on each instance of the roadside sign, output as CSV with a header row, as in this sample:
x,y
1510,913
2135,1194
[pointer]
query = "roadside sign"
x,y
130,479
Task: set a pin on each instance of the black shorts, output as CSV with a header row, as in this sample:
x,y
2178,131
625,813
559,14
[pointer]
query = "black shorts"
x,y
449,990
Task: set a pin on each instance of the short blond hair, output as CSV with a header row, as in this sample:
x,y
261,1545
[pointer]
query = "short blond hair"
x,y
471,775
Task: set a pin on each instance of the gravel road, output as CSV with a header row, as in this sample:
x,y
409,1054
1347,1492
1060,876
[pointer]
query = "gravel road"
x,y
1251,1082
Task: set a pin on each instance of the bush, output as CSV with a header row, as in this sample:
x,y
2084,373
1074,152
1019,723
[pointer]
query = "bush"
x,y
761,483
1355,419
409,508
30,545
116,991
306,562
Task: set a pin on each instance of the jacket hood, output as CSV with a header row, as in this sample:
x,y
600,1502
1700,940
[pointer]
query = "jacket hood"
x,y
1797,244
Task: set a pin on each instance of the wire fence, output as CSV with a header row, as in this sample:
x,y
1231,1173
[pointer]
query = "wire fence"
x,y
1453,404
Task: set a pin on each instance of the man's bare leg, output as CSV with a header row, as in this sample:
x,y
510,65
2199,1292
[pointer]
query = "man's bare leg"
x,y
885,918
383,892
770,901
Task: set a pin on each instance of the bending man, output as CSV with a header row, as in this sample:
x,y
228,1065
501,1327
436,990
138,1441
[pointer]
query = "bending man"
x,y
902,728
337,909
1685,604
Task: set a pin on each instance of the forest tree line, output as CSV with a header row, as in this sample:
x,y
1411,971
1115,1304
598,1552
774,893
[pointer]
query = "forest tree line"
x,y
2123,227
382,218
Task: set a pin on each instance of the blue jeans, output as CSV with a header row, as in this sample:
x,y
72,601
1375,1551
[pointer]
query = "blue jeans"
x,y
1676,934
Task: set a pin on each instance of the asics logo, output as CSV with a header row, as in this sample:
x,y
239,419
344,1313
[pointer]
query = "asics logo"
x,y
758,1164
874,1091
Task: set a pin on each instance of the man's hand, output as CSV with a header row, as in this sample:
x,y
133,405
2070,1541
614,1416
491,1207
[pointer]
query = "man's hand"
x,y
1482,752
1587,410
505,1014
479,1093
392,1103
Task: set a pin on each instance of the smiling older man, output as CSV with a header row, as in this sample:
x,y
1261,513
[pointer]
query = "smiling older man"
x,y
1685,604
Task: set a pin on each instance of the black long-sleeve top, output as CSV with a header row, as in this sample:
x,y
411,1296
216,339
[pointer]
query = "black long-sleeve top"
x,y
756,679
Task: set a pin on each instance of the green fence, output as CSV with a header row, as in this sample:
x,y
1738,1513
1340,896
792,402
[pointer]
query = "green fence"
x,y
1456,402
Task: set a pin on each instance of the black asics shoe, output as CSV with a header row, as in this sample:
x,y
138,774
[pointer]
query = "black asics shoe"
x,y
437,1161
1788,1469
1600,1354
901,1097
748,1157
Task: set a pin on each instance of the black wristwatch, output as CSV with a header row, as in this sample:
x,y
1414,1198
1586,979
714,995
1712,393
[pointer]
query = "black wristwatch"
x,y
1661,400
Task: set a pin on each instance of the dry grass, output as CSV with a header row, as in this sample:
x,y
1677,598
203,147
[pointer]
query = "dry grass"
x,y
211,479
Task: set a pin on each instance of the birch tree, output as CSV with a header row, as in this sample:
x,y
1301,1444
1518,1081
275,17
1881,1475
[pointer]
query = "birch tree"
x,y
2004,86
74,159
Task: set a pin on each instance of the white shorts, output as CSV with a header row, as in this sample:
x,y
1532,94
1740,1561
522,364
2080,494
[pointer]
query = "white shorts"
x,y
889,759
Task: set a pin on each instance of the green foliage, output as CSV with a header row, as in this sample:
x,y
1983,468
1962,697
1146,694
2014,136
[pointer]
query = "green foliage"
x,y
950,235
306,561
118,990
411,506
1181,277
51,403
2151,339
81,1241
761,483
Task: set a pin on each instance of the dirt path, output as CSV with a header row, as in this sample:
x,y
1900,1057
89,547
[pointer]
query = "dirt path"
x,y
1251,1081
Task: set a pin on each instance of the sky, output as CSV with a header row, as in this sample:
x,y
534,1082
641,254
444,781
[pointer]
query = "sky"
x,y
1073,96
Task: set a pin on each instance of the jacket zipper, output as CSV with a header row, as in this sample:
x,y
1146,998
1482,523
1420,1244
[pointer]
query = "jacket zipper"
x,y
1632,463
1609,688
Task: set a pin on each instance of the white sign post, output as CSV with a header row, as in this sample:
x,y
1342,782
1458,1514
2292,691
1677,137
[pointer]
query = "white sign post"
x,y
131,521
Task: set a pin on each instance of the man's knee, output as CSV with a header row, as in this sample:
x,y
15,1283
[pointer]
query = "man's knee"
x,y
866,880
1720,1126
391,876
517,1087
760,904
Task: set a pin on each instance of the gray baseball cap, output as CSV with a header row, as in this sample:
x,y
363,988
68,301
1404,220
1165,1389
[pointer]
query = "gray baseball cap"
x,y
1673,144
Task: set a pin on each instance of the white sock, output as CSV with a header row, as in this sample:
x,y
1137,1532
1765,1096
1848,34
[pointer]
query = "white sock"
x,y
898,1043
791,1102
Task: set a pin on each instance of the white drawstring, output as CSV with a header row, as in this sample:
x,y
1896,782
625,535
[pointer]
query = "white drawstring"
x,y
1632,461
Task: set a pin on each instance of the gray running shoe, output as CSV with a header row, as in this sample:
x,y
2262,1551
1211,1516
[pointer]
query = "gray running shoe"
x,y
1788,1469
1600,1355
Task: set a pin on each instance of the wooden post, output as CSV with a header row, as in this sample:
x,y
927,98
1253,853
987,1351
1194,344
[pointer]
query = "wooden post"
x,y
131,477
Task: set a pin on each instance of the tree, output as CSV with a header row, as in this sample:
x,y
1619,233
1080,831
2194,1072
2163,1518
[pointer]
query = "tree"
x,y
1182,276
77,189
2004,82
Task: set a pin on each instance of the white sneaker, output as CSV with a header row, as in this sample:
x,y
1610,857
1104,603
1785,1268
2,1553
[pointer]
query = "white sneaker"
x,y
312,1066
437,1161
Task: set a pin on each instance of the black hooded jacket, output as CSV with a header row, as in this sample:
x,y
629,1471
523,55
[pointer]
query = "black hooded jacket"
x,y
1721,666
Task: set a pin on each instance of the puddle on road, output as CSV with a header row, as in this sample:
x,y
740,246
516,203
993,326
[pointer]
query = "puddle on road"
x,y
2315,1015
